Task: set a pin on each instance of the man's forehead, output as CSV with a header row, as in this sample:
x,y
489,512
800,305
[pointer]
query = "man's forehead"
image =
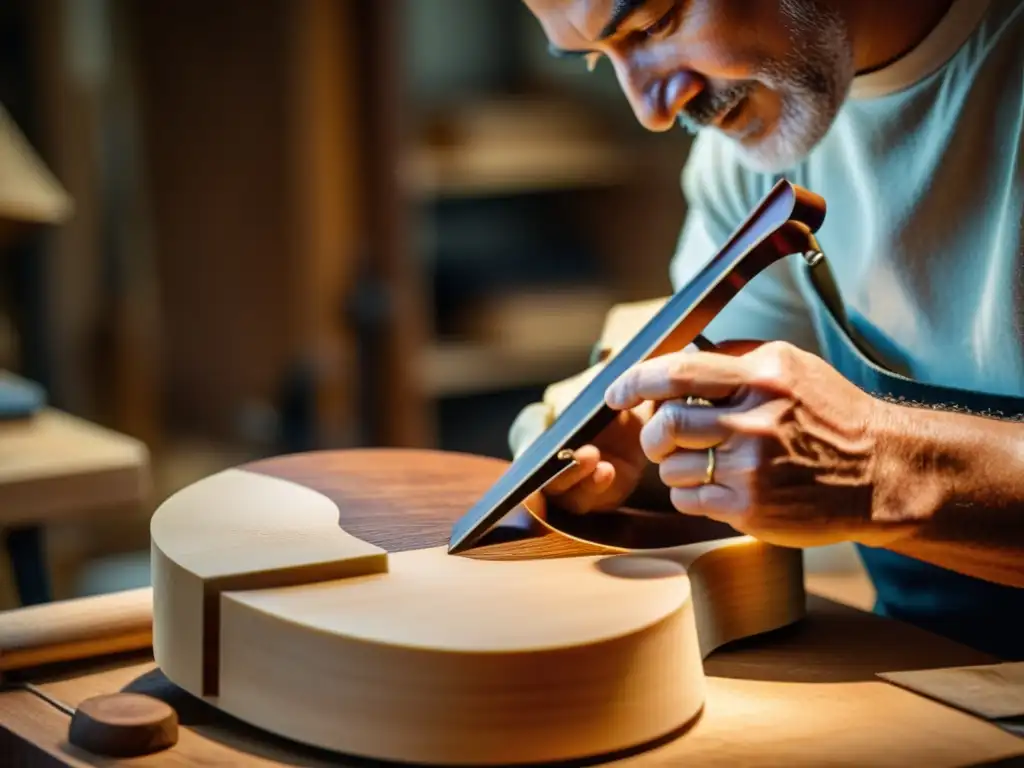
x,y
573,23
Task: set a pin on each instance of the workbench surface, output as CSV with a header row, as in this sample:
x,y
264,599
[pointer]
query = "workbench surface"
x,y
803,696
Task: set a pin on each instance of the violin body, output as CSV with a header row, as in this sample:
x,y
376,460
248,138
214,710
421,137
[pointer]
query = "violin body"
x,y
312,596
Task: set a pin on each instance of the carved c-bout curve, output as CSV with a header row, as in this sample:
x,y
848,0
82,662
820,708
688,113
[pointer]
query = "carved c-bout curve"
x,y
237,530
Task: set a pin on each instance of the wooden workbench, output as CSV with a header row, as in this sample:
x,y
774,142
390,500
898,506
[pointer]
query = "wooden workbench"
x,y
57,467
54,466
804,696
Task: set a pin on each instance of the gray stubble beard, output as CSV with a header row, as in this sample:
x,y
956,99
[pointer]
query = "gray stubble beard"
x,y
812,82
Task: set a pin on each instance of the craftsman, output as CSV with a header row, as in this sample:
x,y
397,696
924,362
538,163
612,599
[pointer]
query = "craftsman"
x,y
907,117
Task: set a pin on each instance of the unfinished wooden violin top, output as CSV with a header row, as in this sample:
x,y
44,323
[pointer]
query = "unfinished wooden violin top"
x,y
313,596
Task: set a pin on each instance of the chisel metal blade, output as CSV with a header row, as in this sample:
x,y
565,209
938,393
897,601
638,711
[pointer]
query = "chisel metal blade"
x,y
489,511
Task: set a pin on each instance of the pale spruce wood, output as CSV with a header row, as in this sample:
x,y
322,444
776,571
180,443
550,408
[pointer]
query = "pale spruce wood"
x,y
419,656
79,628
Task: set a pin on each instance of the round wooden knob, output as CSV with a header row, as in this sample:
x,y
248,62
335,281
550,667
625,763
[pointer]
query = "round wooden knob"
x,y
123,725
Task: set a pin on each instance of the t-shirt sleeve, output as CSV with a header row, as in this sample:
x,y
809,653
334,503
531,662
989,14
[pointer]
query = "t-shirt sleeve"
x,y
720,193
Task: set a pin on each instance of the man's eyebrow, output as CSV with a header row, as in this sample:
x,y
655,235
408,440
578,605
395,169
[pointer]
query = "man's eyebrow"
x,y
621,11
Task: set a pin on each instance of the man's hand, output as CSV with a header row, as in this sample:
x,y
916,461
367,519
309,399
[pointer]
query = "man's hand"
x,y
608,471
611,469
796,445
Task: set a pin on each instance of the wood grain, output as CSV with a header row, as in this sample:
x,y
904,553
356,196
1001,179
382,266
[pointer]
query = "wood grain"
x,y
333,567
806,694
803,696
237,530
123,725
432,489
74,629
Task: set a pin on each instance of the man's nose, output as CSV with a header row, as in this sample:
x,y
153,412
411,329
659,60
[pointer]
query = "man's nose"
x,y
657,99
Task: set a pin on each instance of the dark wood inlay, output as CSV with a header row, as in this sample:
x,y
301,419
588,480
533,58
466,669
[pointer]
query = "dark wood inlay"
x,y
405,499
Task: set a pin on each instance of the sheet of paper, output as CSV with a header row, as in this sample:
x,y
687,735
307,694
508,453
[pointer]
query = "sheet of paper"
x,y
994,691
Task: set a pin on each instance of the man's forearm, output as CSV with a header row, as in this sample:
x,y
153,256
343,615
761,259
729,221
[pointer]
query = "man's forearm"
x,y
952,488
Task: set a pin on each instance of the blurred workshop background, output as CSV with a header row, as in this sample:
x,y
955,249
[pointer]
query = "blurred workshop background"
x,y
234,229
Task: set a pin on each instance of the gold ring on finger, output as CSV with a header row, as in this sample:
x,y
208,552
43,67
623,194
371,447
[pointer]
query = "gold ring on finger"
x,y
709,477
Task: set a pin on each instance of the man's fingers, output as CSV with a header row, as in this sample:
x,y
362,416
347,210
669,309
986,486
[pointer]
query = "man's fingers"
x,y
603,477
584,496
686,469
678,425
707,375
587,459
716,502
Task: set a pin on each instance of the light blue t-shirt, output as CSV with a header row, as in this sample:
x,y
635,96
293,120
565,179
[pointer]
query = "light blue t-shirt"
x,y
923,176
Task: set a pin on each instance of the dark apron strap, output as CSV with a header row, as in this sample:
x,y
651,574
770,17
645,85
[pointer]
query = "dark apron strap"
x,y
851,355
973,611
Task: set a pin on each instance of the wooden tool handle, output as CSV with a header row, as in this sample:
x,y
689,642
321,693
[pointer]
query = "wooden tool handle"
x,y
75,629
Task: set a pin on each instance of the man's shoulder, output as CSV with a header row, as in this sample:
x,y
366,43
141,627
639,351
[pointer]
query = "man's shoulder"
x,y
957,50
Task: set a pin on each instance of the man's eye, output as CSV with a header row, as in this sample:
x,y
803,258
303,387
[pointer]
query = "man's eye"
x,y
661,24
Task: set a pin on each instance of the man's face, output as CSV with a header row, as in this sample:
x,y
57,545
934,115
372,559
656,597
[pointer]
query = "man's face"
x,y
771,74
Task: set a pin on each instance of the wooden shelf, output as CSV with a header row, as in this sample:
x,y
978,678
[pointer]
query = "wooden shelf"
x,y
55,466
514,167
506,145
455,368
